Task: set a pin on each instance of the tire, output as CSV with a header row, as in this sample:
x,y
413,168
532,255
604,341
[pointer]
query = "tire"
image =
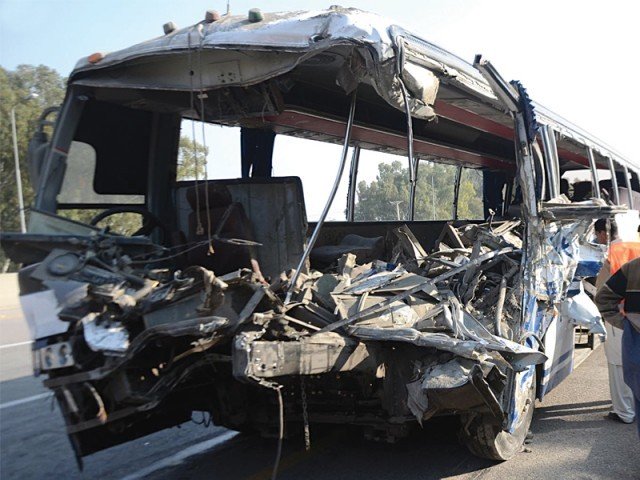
x,y
484,436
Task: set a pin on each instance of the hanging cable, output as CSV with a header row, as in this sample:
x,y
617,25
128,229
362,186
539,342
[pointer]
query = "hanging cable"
x,y
410,155
332,194
192,107
305,415
276,464
201,96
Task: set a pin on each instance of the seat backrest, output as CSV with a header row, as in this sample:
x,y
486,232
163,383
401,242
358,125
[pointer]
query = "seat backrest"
x,y
276,209
225,257
582,191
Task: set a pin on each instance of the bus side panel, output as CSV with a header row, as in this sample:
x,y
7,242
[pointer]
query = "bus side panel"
x,y
559,346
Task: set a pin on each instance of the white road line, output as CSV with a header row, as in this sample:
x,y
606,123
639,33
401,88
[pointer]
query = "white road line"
x,y
181,456
25,400
11,345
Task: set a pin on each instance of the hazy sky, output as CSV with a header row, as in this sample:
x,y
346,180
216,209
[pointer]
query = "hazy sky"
x,y
570,55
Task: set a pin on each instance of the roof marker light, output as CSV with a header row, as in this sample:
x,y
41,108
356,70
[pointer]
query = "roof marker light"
x,y
255,15
211,16
169,27
95,57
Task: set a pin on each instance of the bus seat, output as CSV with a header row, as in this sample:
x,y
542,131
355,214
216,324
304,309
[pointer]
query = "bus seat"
x,y
225,257
364,248
582,191
606,189
276,208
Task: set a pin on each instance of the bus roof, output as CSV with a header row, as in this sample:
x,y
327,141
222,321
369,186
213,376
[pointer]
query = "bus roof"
x,y
296,37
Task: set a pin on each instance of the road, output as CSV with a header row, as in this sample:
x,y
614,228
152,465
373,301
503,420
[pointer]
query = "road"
x,y
572,439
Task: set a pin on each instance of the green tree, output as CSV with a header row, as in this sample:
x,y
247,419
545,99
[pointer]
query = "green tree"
x,y
15,87
386,198
191,157
470,206
383,198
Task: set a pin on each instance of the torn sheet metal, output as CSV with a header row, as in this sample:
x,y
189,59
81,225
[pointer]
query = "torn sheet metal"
x,y
590,259
439,314
374,282
384,56
107,337
556,262
458,384
396,314
453,374
525,388
473,349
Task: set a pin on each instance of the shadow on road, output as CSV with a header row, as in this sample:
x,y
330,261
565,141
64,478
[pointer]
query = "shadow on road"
x,y
573,409
338,453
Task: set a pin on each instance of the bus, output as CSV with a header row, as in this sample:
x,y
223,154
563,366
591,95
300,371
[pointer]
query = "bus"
x,y
398,237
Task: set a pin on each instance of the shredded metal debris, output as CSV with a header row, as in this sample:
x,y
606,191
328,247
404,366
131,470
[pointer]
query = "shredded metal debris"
x,y
461,301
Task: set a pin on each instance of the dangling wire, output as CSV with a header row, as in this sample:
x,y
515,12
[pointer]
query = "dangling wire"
x,y
202,96
276,465
305,415
192,107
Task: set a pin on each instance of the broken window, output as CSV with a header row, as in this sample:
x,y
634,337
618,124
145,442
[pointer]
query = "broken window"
x,y
435,191
470,204
79,200
80,181
315,163
382,187
216,147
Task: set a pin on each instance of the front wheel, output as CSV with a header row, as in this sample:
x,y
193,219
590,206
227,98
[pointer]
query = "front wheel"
x,y
484,436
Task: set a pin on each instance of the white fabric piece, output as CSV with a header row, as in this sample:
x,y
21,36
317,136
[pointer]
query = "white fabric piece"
x,y
581,309
621,395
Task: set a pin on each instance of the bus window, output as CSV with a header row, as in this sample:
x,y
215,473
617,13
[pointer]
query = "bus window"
x,y
470,204
222,151
382,187
79,184
435,191
578,184
83,196
316,163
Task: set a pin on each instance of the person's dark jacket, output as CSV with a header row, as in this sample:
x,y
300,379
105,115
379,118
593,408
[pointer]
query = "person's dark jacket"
x,y
624,285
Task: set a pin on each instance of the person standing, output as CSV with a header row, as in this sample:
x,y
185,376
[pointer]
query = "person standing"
x,y
624,286
620,252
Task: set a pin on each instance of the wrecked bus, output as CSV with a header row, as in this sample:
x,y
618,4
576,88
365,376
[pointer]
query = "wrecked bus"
x,y
226,300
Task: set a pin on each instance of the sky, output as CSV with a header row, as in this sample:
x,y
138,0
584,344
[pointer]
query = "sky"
x,y
568,54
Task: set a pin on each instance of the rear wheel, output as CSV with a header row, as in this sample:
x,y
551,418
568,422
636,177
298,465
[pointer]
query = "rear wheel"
x,y
484,436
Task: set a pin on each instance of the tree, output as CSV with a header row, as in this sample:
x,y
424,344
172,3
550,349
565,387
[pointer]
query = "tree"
x,y
384,197
191,159
387,197
15,87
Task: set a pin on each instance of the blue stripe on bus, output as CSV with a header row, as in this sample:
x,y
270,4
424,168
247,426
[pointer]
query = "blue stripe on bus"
x,y
549,381
561,359
557,378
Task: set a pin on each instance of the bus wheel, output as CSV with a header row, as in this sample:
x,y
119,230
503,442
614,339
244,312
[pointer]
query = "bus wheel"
x,y
483,435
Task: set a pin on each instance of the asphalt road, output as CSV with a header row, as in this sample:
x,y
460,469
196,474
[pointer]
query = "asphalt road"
x,y
572,439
